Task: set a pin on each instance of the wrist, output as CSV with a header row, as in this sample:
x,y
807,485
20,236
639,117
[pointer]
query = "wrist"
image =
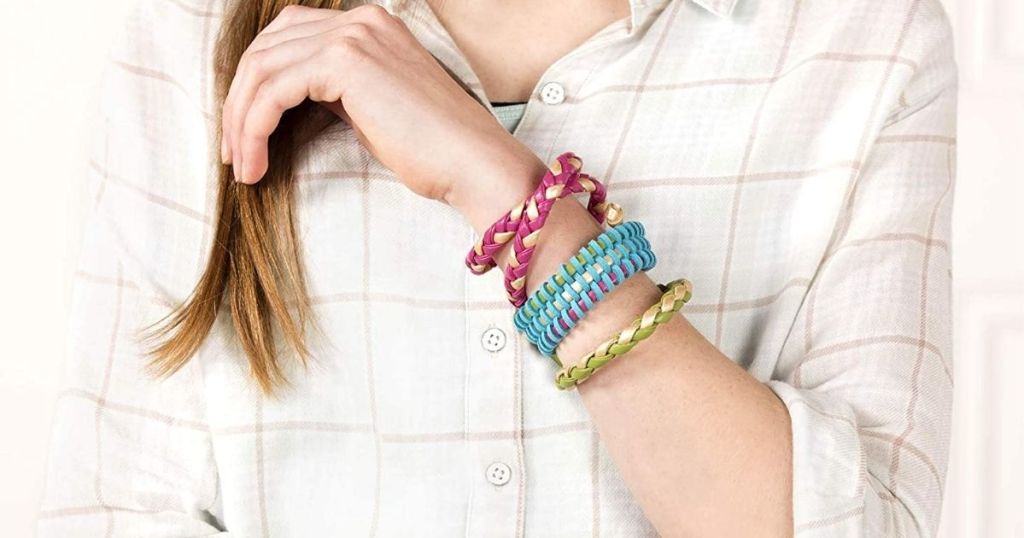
x,y
493,182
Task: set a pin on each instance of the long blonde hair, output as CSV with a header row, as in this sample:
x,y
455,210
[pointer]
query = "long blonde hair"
x,y
254,261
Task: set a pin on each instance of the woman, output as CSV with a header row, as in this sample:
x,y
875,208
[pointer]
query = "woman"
x,y
337,369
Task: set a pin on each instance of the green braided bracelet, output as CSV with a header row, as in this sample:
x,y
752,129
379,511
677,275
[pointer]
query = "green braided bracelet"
x,y
676,294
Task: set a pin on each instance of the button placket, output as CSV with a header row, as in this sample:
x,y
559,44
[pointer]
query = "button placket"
x,y
492,396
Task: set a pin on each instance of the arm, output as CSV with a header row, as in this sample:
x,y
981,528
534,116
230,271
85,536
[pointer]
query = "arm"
x,y
675,381
850,436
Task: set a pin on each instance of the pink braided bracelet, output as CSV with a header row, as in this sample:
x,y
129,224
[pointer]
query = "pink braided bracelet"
x,y
481,257
557,184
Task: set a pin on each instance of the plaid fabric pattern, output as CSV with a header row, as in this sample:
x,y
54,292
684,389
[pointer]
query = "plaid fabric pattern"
x,y
794,159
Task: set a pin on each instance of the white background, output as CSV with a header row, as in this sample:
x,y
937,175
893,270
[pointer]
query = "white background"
x,y
51,54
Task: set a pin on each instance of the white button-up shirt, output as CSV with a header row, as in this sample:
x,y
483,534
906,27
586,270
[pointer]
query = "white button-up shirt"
x,y
793,159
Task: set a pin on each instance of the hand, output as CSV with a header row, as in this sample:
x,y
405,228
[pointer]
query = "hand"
x,y
367,67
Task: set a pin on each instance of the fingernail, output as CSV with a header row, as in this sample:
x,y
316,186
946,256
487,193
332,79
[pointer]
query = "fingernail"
x,y
237,168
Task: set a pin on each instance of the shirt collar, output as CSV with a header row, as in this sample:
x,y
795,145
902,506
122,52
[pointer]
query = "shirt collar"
x,y
642,10
722,8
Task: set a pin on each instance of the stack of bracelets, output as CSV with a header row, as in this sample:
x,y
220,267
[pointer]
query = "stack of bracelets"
x,y
561,302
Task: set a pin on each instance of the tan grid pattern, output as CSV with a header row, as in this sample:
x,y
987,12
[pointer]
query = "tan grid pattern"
x,y
794,159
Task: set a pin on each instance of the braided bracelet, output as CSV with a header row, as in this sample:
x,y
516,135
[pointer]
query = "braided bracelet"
x,y
481,257
565,298
565,170
536,213
676,294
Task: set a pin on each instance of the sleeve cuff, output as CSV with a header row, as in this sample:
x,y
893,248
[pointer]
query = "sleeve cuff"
x,y
828,459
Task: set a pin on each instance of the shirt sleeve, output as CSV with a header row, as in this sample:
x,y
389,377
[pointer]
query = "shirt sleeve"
x,y
866,373
131,454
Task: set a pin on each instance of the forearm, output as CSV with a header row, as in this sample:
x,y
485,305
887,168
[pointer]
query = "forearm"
x,y
703,446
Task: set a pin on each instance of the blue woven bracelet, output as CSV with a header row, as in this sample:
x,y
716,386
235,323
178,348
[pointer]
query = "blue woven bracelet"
x,y
616,242
567,304
553,333
563,300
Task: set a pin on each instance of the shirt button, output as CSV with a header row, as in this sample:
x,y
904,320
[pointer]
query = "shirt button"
x,y
499,474
552,93
493,339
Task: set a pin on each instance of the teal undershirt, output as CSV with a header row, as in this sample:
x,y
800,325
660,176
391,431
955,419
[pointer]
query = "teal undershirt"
x,y
509,114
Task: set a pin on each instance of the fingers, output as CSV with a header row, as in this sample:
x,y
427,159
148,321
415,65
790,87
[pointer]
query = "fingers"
x,y
277,94
292,23
269,38
259,67
294,59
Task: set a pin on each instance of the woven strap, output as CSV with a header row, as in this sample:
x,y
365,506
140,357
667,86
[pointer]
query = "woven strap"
x,y
677,293
566,297
616,242
579,284
536,212
480,258
553,332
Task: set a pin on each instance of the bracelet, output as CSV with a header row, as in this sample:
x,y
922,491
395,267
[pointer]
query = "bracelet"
x,y
606,242
481,257
565,298
550,335
676,294
566,306
582,281
538,207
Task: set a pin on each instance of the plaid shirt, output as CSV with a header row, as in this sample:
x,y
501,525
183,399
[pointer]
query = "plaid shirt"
x,y
793,159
